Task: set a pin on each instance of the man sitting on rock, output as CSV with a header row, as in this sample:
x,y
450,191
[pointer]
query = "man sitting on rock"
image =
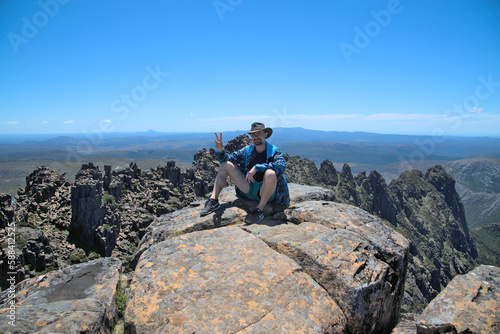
x,y
256,170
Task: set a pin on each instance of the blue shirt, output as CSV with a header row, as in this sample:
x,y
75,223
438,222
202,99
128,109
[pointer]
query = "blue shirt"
x,y
274,160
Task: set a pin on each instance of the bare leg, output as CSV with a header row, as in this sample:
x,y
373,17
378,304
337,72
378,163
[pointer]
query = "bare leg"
x,y
229,169
268,187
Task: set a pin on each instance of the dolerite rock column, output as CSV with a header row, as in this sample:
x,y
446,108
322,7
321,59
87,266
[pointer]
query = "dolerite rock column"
x,y
86,204
6,210
106,234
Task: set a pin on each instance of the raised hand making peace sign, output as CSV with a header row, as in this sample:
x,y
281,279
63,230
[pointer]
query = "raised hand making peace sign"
x,y
218,142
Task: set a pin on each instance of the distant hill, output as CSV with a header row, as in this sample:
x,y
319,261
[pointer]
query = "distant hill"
x,y
478,184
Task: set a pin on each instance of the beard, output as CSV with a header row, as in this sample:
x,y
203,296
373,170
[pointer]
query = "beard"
x,y
258,142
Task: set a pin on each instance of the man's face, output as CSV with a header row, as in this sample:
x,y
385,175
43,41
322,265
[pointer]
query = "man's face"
x,y
258,138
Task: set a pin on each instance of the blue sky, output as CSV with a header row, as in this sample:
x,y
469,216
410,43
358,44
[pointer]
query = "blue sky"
x,y
404,67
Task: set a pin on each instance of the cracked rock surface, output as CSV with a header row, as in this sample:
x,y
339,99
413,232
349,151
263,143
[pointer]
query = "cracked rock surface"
x,y
469,304
318,267
226,281
78,299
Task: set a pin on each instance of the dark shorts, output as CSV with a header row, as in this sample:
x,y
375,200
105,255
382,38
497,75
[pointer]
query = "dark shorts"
x,y
253,194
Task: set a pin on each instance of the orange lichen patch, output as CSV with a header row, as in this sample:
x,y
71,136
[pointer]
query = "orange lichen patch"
x,y
215,321
182,246
210,258
42,323
148,265
302,303
22,292
358,266
21,302
243,322
340,225
144,307
269,317
192,274
247,252
400,240
43,284
153,273
174,275
198,248
162,284
177,319
255,291
58,326
302,216
253,305
175,286
490,305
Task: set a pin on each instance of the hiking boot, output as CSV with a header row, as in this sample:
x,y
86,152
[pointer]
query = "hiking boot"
x,y
210,206
254,217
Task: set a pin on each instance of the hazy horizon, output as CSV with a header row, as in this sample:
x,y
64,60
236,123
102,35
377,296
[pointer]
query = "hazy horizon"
x,y
87,134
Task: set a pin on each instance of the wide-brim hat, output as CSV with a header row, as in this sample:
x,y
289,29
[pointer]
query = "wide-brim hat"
x,y
257,126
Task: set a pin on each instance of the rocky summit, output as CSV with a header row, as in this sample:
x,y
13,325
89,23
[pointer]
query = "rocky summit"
x,y
322,267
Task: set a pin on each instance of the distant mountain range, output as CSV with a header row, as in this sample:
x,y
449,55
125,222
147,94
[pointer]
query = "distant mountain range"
x,y
357,147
